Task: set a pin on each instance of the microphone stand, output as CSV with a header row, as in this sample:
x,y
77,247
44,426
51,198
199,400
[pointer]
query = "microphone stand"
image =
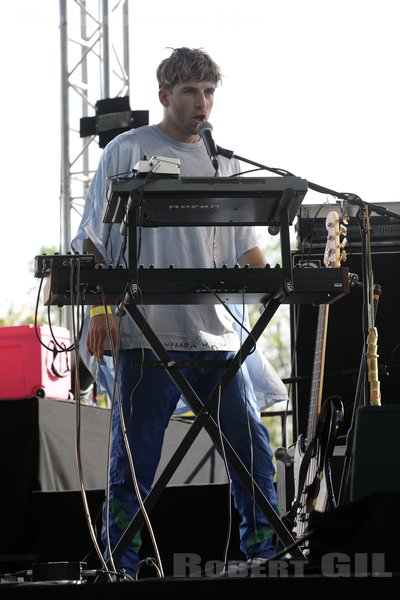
x,y
364,208
350,198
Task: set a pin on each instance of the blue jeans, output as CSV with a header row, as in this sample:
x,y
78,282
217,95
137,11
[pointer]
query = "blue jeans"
x,y
149,398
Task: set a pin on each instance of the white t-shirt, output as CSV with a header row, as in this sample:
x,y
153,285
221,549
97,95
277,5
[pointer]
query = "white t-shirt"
x,y
178,327
181,327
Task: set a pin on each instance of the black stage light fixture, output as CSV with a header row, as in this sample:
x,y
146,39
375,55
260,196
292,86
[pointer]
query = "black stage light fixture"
x,y
113,116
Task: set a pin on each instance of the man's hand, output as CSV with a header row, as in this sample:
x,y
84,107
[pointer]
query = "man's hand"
x,y
253,258
99,328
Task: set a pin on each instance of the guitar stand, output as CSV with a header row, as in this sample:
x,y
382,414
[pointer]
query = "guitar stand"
x,y
203,419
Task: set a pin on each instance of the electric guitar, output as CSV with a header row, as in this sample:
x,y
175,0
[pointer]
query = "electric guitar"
x,y
313,452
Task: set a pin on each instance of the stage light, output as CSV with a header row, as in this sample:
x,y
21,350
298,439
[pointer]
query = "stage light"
x,y
113,116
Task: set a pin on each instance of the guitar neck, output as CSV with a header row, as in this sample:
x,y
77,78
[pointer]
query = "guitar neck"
x,y
318,372
332,259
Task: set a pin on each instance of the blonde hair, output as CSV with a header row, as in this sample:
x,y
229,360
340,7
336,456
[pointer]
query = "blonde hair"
x,y
187,64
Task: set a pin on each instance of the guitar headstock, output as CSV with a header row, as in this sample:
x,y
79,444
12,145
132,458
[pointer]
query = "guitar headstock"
x,y
336,240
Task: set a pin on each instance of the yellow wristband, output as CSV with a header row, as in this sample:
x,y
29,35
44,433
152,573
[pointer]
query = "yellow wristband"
x,y
100,310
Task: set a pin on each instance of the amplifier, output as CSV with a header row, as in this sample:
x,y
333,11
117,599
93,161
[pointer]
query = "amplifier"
x,y
376,460
344,349
311,231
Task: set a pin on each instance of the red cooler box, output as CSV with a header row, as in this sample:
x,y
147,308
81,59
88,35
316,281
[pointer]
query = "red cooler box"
x,y
28,368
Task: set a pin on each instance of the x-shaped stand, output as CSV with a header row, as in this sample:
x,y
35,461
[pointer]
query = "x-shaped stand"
x,y
204,419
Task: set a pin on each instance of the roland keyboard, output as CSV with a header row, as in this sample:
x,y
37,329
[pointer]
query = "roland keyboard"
x,y
193,286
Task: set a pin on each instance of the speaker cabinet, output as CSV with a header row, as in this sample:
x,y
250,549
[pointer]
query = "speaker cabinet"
x,y
345,341
376,458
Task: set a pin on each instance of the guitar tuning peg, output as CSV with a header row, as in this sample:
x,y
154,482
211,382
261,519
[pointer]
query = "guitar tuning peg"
x,y
343,242
343,230
343,256
345,219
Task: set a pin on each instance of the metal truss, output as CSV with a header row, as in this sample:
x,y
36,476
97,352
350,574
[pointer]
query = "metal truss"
x,y
94,38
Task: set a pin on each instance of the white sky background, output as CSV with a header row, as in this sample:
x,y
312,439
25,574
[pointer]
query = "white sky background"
x,y
311,86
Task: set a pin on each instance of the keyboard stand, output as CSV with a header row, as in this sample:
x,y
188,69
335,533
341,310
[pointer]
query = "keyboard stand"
x,y
276,210
203,419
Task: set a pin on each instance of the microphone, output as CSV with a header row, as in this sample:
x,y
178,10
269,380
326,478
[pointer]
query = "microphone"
x,y
205,132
